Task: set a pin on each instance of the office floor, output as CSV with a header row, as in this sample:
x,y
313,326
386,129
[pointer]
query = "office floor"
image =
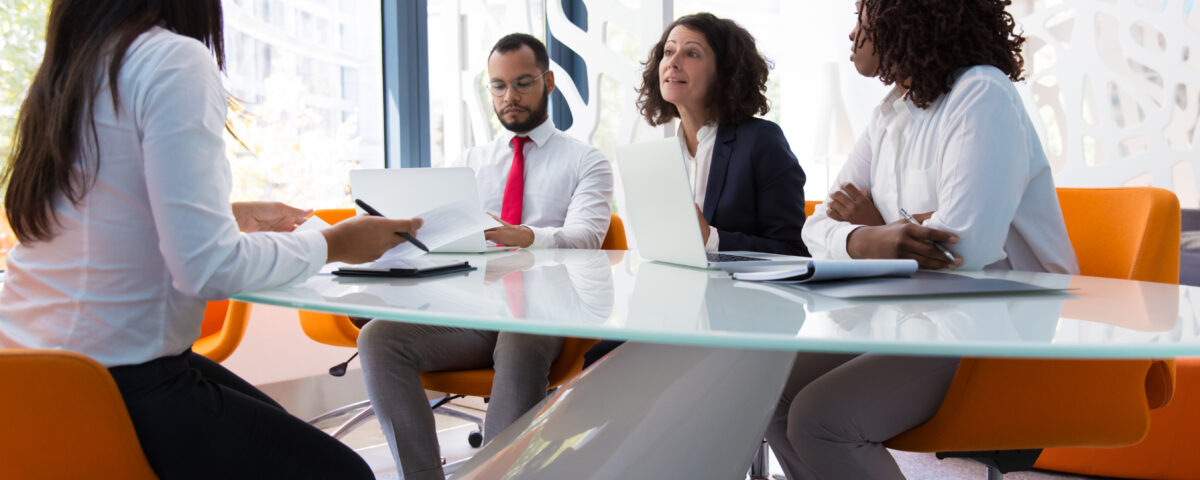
x,y
369,442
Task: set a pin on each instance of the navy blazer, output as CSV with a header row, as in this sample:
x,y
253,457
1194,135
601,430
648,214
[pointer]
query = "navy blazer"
x,y
755,194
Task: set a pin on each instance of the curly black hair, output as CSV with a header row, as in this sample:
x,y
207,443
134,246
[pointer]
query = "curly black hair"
x,y
739,91
927,42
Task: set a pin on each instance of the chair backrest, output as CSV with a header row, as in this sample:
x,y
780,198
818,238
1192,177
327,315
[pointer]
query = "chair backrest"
x,y
1128,233
64,418
230,319
334,215
810,206
615,238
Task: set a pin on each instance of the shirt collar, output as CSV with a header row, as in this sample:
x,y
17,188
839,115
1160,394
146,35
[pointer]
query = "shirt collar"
x,y
896,102
707,132
540,134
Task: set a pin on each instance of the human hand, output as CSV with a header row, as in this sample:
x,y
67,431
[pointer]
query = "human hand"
x,y
901,239
705,229
509,234
922,217
854,205
364,238
268,216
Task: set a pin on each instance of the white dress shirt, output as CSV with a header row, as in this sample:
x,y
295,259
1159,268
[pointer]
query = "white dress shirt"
x,y
974,159
568,188
698,166
129,270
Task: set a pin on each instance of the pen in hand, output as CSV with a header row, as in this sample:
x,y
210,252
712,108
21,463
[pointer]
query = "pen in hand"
x,y
940,247
375,213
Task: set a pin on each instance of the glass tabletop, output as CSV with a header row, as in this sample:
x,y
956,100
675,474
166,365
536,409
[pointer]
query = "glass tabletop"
x,y
617,295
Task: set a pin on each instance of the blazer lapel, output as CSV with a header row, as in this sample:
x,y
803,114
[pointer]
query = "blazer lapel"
x,y
722,151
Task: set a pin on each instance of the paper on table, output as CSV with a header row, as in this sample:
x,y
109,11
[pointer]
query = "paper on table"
x,y
313,223
821,270
443,225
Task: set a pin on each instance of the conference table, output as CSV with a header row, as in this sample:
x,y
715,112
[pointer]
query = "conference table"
x,y
690,395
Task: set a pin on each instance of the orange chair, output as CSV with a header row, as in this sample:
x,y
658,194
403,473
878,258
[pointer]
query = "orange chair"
x,y
66,419
222,330
338,330
1165,452
995,406
810,206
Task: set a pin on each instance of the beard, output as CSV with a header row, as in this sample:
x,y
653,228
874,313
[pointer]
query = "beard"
x,y
535,118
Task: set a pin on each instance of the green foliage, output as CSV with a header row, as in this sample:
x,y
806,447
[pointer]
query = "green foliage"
x,y
22,41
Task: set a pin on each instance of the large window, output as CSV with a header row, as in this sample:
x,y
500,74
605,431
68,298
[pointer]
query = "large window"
x,y
309,77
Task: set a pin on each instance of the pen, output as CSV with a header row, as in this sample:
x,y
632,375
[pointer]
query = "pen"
x,y
375,213
939,246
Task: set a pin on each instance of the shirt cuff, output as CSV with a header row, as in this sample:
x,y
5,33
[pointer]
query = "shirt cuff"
x,y
318,250
543,237
714,240
840,234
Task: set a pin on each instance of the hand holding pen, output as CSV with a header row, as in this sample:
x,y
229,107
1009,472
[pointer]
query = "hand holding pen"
x,y
941,248
375,213
904,238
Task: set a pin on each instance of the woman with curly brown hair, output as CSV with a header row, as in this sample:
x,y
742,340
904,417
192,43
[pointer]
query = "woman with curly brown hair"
x,y
747,185
951,143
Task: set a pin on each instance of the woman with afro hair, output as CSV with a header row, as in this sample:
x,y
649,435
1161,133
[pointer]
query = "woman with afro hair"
x,y
952,145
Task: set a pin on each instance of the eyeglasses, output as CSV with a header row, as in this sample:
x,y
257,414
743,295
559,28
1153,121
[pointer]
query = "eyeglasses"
x,y
522,85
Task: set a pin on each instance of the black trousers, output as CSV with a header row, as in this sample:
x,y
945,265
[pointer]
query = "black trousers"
x,y
196,419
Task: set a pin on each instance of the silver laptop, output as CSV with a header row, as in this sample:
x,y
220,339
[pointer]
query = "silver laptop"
x,y
662,213
408,192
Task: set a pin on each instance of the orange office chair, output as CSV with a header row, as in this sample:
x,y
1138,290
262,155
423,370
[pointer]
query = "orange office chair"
x,y
810,206
66,419
338,330
996,406
1164,453
222,330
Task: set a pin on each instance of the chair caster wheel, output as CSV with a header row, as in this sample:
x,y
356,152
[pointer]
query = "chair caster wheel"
x,y
475,439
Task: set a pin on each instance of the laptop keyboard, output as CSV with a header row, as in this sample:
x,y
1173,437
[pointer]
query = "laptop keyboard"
x,y
723,257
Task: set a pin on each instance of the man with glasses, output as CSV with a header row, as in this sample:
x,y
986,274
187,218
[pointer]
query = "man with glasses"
x,y
551,191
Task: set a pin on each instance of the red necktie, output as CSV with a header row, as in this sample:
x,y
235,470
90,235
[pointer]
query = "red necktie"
x,y
514,189
514,290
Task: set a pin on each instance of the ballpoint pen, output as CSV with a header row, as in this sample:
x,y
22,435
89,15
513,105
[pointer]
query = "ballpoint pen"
x,y
937,245
375,213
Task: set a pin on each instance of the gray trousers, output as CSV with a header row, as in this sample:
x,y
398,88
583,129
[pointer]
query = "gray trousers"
x,y
837,410
394,354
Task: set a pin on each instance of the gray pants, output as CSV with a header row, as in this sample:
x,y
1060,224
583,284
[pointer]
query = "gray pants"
x,y
837,410
394,354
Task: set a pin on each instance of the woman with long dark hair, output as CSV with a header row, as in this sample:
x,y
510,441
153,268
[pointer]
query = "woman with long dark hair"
x,y
118,190
953,145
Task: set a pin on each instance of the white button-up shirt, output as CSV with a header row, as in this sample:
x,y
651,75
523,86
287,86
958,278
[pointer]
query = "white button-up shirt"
x,y
698,166
568,188
127,275
974,159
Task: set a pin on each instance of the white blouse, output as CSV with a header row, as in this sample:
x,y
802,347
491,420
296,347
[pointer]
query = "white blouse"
x,y
698,166
129,270
974,159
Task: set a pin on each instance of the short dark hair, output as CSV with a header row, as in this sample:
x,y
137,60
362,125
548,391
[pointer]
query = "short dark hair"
x,y
927,43
739,91
514,41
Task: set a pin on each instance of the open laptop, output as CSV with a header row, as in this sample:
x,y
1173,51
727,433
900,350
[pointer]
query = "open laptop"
x,y
663,215
408,192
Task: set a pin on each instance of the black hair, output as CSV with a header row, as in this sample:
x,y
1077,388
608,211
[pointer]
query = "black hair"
x,y
514,41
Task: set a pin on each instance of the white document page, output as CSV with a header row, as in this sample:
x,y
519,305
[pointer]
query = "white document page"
x,y
443,225
822,270
313,223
